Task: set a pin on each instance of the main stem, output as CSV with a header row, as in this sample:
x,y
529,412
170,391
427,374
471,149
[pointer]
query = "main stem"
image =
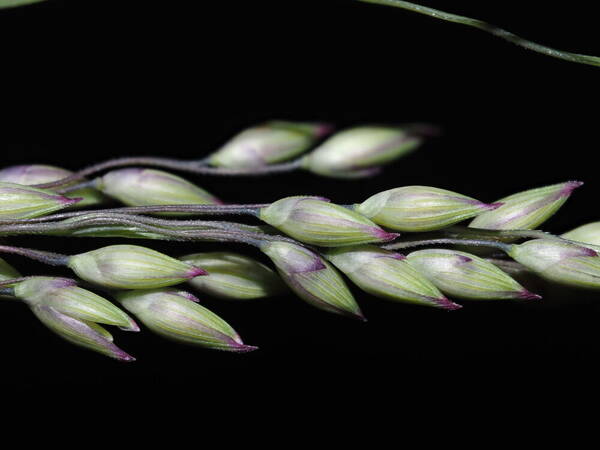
x,y
492,29
56,224
226,232
155,209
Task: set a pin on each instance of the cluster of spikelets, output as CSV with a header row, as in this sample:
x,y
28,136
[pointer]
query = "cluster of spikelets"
x,y
311,241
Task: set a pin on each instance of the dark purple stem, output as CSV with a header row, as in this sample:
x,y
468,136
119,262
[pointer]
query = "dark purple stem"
x,y
52,259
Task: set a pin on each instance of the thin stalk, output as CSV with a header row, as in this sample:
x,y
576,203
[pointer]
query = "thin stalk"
x,y
52,259
195,167
446,241
492,29
181,224
212,210
480,233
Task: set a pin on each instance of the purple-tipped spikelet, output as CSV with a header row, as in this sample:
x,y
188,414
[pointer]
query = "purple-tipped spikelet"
x,y
467,276
421,208
355,152
24,202
75,313
526,210
132,267
387,275
316,221
66,297
145,187
171,314
312,278
269,143
78,332
563,262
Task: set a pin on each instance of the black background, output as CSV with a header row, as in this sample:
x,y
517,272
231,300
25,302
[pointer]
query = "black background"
x,y
83,81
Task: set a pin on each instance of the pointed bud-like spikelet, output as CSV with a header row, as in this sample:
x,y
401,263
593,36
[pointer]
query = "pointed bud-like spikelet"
x,y
67,298
38,174
269,143
234,276
316,221
74,313
526,210
7,272
420,208
466,276
589,234
79,332
131,267
560,261
174,316
144,187
312,278
23,202
386,274
356,149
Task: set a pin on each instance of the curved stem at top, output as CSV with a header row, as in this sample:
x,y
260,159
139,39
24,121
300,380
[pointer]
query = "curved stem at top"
x,y
492,29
